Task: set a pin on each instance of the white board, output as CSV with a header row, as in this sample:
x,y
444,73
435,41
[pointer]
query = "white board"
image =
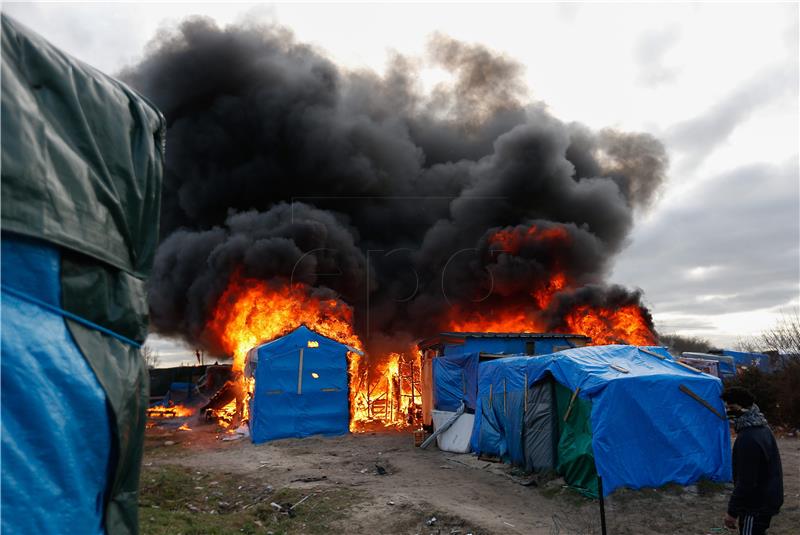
x,y
455,439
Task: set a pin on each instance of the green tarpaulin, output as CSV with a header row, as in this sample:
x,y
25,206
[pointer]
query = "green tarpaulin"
x,y
575,456
82,165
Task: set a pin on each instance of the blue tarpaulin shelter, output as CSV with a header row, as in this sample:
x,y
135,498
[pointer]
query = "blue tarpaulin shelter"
x,y
639,417
727,364
749,360
455,366
301,387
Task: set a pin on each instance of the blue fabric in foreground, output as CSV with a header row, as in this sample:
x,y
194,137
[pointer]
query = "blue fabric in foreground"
x,y
297,400
56,433
646,431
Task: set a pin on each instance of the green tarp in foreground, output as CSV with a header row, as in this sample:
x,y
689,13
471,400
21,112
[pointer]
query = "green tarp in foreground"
x,y
82,165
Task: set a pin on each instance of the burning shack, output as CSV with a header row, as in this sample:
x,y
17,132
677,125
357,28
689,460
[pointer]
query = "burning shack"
x,y
450,362
299,386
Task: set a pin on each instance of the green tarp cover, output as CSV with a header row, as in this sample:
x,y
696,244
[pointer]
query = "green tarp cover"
x,y
82,167
82,155
575,456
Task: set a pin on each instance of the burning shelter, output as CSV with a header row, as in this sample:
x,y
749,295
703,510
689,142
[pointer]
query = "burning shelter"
x,y
450,362
629,414
301,386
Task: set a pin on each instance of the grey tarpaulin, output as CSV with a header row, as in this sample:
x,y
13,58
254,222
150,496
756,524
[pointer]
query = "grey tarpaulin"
x,y
539,429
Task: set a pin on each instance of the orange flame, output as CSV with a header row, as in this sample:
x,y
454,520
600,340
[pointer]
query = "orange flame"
x,y
387,394
173,411
511,240
626,324
511,318
605,326
251,312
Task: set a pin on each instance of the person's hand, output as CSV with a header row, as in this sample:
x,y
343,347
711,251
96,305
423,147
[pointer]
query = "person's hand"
x,y
730,522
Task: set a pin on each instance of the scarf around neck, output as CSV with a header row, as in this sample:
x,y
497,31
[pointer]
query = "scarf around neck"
x,y
751,418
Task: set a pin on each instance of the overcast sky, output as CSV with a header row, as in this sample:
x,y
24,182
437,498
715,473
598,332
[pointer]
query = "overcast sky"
x,y
718,255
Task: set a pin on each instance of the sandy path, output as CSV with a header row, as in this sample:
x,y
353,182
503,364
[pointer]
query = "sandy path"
x,y
428,482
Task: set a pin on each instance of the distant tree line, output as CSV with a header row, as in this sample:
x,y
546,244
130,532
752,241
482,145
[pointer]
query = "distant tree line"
x,y
778,393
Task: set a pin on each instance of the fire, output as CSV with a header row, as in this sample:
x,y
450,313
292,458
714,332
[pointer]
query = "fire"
x,y
555,284
624,324
511,240
510,318
226,416
173,411
251,312
386,395
605,326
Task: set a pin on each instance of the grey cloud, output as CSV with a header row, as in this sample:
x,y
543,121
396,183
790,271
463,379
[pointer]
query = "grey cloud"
x,y
649,56
696,138
744,222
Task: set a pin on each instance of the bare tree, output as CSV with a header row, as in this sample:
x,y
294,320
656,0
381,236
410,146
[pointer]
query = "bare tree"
x,y
151,356
783,337
677,344
749,344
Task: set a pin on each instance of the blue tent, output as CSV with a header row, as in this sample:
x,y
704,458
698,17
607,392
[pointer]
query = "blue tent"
x,y
639,418
301,387
455,366
727,364
749,360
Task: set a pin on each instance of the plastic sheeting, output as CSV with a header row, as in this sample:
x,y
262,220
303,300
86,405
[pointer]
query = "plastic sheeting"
x,y
82,157
742,358
727,367
455,379
455,373
56,440
299,390
575,456
540,429
645,431
82,166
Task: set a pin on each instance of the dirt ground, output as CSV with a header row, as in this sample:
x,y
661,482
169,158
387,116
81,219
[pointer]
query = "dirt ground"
x,y
383,484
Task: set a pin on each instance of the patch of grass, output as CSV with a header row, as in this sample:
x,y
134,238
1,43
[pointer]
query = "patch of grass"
x,y
176,500
706,487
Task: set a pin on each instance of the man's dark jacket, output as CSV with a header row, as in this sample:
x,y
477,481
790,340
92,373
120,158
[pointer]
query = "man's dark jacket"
x,y
757,472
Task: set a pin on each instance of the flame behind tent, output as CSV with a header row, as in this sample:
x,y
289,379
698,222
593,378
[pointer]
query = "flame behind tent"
x,y
252,311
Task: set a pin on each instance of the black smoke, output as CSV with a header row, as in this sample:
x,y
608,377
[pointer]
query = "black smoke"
x,y
284,165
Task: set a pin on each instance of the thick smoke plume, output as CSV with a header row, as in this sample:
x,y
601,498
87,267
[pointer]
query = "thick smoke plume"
x,y
410,205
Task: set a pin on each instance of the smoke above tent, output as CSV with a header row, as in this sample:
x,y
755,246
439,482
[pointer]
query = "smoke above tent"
x,y
467,205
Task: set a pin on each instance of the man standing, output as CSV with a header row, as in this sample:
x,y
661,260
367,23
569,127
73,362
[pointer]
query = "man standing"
x,y
757,474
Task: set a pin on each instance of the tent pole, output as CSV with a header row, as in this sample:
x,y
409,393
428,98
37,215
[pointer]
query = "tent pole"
x,y
602,505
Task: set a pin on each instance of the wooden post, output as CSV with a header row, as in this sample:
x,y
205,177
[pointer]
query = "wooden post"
x,y
525,396
571,403
300,374
413,416
602,505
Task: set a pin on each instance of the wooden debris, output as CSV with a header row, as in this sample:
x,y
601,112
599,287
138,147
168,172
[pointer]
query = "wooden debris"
x,y
571,403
